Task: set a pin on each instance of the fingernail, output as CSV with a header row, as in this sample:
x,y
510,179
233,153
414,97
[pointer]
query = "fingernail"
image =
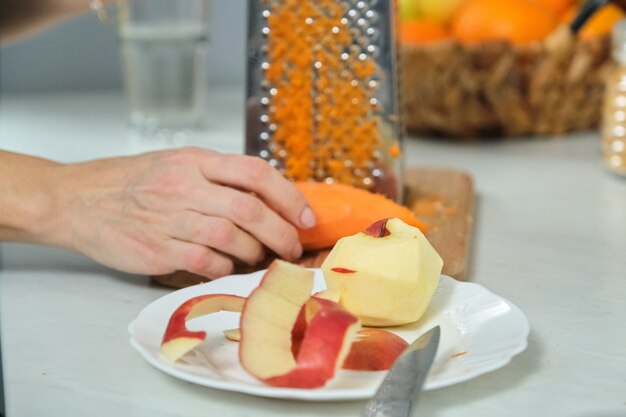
x,y
297,253
307,218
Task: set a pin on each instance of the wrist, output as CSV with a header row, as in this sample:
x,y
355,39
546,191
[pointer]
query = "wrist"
x,y
49,222
29,209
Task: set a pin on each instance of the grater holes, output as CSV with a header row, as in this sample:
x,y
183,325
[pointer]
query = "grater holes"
x,y
372,16
329,56
373,50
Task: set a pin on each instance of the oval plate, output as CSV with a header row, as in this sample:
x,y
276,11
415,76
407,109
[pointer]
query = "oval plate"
x,y
480,332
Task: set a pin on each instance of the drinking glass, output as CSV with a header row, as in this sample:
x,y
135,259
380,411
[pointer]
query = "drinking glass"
x,y
164,47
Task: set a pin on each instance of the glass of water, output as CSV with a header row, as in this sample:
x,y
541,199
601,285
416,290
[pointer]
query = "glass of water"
x,y
164,47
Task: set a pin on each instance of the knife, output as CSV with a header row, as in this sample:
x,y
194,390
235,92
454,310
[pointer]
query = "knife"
x,y
397,395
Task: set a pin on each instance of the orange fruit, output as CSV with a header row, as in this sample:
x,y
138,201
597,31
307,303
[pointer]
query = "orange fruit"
x,y
417,32
569,14
517,21
559,7
600,24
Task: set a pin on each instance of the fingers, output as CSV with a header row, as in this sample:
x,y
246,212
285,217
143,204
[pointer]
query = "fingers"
x,y
217,233
254,216
198,259
256,175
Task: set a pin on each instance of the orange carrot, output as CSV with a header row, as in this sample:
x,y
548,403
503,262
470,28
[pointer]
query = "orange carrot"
x,y
342,210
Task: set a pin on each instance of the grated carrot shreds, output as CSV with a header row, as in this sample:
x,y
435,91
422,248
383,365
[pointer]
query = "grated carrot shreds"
x,y
322,95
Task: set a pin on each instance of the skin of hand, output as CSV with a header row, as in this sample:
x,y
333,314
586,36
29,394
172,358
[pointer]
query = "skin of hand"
x,y
156,213
20,18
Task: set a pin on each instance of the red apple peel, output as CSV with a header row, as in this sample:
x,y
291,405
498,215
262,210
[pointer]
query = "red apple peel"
x,y
325,345
378,229
179,340
374,350
274,317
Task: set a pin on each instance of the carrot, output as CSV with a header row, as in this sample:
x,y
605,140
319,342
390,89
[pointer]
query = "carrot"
x,y
343,210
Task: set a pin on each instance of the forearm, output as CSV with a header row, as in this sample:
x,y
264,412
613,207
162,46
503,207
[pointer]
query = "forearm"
x,y
22,17
29,207
155,213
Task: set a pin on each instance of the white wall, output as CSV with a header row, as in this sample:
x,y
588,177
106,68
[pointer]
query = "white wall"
x,y
82,54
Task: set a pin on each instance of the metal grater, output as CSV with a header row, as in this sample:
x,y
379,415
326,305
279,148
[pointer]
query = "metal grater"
x,y
322,99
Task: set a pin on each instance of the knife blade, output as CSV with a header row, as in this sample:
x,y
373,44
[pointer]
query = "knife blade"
x,y
397,395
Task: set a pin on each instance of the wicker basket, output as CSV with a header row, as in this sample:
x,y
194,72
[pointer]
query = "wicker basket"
x,y
495,88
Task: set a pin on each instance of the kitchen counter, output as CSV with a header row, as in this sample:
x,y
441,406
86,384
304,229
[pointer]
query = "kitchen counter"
x,y
550,235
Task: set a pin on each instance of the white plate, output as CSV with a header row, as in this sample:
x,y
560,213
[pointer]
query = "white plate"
x,y
480,332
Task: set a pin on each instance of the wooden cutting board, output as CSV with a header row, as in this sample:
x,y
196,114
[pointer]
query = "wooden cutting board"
x,y
442,198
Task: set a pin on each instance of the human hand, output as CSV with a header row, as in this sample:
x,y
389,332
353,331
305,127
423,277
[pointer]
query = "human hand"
x,y
187,209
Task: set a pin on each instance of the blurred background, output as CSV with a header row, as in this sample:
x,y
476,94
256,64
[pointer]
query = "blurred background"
x,y
469,69
83,54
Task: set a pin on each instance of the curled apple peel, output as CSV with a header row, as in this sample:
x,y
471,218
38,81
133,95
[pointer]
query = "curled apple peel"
x,y
323,349
288,338
268,318
274,317
297,333
372,350
179,340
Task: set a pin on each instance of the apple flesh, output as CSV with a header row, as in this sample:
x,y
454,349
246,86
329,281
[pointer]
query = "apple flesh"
x,y
385,275
234,335
374,350
179,340
269,319
328,295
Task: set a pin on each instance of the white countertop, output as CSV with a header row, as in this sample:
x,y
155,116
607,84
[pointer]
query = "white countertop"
x,y
550,236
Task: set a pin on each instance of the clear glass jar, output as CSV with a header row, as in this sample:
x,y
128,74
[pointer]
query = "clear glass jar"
x,y
614,115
